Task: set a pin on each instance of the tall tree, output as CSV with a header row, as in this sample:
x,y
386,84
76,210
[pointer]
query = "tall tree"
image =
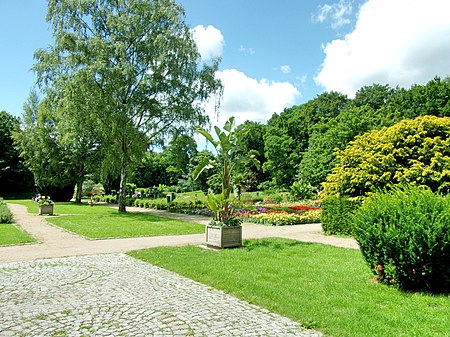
x,y
287,135
250,146
38,141
14,176
134,65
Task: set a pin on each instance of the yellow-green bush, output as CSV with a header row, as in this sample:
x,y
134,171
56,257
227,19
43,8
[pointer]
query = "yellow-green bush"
x,y
411,151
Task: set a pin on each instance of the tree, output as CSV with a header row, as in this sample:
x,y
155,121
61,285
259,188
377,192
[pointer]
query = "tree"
x,y
179,153
320,158
14,177
287,135
250,147
38,141
375,96
409,152
134,65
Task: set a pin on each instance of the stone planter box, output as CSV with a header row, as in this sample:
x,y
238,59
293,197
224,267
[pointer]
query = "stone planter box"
x,y
46,209
223,237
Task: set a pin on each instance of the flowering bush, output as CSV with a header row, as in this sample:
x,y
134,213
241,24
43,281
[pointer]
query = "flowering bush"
x,y
43,200
285,218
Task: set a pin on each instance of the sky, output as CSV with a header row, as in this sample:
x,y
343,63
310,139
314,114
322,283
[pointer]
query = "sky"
x,y
275,53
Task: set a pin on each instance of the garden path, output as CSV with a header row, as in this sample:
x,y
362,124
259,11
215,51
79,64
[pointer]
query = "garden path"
x,y
56,242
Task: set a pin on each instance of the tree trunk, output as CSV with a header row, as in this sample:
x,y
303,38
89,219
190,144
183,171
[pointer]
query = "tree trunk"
x,y
79,191
122,187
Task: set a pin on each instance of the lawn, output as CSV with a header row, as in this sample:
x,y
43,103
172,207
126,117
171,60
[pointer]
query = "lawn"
x,y
12,235
101,222
322,287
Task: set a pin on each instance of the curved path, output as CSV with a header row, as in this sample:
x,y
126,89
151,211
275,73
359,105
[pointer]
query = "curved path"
x,y
107,293
56,242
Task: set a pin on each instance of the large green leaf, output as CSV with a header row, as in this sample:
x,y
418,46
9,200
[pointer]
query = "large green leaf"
x,y
203,164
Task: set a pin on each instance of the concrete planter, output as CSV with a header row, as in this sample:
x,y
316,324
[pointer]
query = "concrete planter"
x,y
223,237
46,209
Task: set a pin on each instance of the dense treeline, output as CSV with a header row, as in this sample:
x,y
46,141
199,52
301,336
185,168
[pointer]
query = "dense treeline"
x,y
297,145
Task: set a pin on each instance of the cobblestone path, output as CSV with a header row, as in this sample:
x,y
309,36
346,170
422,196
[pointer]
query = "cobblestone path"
x,y
116,295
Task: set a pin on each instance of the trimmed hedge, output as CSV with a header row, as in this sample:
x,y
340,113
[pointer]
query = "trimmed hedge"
x,y
404,236
337,214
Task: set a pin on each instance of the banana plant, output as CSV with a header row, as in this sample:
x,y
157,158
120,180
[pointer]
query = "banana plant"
x,y
226,148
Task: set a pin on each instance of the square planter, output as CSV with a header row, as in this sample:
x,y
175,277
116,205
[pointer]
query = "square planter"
x,y
223,237
46,209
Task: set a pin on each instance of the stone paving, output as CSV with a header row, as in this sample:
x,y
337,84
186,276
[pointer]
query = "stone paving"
x,y
116,295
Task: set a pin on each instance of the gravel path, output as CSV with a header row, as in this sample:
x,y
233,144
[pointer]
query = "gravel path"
x,y
56,242
90,288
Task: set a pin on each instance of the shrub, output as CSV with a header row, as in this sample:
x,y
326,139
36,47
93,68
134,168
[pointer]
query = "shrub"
x,y
409,152
5,213
337,214
404,236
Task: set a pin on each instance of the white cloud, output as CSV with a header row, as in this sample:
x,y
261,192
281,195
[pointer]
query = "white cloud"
x,y
246,51
338,13
285,69
398,42
209,41
246,98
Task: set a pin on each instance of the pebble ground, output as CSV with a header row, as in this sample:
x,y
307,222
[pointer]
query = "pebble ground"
x,y
117,295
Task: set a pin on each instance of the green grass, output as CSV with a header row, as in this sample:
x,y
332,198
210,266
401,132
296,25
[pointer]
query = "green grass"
x,y
12,235
104,222
320,286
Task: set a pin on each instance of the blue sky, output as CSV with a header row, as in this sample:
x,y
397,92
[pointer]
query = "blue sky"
x,y
274,53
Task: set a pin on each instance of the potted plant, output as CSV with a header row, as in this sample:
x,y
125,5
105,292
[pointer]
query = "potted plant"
x,y
225,230
45,205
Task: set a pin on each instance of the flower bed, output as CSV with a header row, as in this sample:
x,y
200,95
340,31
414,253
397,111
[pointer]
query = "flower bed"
x,y
285,218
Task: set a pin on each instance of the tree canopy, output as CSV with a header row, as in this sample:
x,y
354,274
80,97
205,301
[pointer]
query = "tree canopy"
x,y
133,66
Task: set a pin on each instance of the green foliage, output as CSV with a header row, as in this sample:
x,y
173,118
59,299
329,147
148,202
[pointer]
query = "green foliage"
x,y
39,143
5,213
334,134
337,214
302,189
91,188
133,66
404,237
412,151
287,136
250,147
226,147
14,176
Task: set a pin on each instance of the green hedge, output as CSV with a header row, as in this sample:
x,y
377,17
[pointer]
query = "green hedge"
x,y
337,214
404,236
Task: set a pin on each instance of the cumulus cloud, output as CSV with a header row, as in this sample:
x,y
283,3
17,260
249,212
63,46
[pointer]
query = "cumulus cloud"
x,y
400,42
338,14
209,41
249,99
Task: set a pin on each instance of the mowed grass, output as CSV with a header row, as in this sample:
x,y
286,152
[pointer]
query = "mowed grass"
x,y
12,235
101,222
322,287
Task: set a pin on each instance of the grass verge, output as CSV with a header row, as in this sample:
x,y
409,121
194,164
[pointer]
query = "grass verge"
x,y
101,222
12,235
322,287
